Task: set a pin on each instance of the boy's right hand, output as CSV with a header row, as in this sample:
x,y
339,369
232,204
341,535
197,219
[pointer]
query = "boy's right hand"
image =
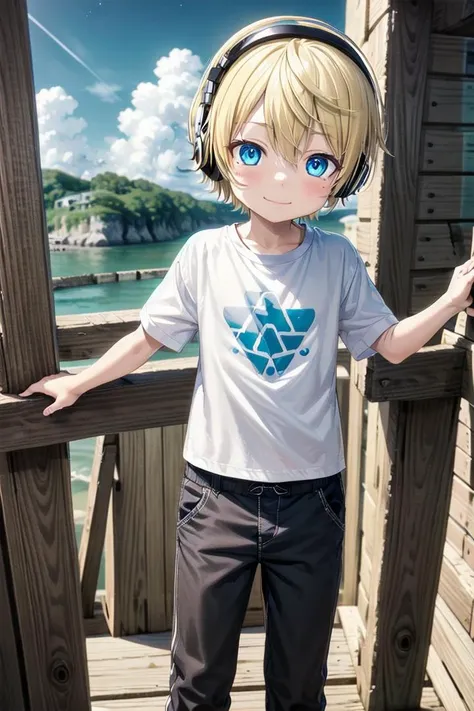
x,y
62,387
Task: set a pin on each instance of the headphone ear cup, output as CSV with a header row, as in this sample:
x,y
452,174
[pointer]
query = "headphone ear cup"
x,y
210,169
209,166
357,179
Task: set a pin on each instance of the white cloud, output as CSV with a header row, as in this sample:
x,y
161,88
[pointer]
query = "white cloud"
x,y
63,142
105,92
154,141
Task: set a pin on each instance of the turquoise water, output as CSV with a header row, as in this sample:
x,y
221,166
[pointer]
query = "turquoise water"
x,y
113,297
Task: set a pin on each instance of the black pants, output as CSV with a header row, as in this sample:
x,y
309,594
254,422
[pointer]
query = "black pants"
x,y
225,528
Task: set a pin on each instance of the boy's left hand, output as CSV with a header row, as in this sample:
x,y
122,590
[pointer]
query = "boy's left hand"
x,y
458,292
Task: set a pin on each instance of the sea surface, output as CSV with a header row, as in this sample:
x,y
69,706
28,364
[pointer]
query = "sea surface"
x,y
114,297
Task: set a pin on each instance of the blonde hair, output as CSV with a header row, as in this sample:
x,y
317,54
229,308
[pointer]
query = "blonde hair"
x,y
301,82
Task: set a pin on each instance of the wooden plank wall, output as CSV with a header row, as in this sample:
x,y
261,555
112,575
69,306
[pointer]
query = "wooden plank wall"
x,y
141,534
449,154
442,108
445,210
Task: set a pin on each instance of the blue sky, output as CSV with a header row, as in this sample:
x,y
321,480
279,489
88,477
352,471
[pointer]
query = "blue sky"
x,y
125,109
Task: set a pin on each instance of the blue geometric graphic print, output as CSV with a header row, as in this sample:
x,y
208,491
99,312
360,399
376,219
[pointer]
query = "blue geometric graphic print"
x,y
268,334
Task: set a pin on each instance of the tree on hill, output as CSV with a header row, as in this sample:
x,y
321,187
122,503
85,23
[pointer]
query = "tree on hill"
x,y
57,184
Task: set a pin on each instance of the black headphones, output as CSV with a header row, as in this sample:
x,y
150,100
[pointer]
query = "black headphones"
x,y
321,32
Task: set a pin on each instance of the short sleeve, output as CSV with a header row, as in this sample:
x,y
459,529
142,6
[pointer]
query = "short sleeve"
x,y
170,314
363,314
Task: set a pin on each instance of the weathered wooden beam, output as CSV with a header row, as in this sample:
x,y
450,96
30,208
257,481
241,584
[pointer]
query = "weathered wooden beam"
x,y
456,650
93,532
11,684
434,371
134,601
85,336
441,246
356,20
354,628
451,15
463,343
35,491
157,395
456,587
353,488
410,526
451,55
448,149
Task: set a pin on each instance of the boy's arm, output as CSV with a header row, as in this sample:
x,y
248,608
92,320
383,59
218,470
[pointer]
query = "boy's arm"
x,y
408,336
124,357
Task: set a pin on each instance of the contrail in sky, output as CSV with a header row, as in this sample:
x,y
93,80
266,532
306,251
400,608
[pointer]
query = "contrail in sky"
x,y
66,49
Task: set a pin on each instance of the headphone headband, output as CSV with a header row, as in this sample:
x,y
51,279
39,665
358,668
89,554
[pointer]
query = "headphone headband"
x,y
321,32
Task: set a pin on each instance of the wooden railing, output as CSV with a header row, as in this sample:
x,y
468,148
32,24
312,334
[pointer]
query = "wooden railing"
x,y
140,424
135,480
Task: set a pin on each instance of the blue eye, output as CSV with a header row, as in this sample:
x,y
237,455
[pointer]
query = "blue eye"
x,y
250,154
317,166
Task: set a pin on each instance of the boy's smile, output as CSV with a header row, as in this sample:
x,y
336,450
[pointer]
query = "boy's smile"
x,y
259,172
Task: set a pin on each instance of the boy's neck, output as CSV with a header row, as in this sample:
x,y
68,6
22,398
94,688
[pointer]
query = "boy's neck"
x,y
263,236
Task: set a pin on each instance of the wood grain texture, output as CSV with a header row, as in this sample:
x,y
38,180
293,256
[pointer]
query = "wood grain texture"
x,y
93,532
448,150
456,587
173,470
353,487
450,16
446,197
455,649
377,9
410,531
431,372
84,336
138,667
441,245
463,343
39,531
443,684
427,287
155,532
463,466
356,20
451,55
36,493
11,684
449,100
127,587
462,505
157,395
408,51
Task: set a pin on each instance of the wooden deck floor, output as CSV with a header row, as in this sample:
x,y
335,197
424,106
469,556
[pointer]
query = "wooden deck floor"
x,y
132,674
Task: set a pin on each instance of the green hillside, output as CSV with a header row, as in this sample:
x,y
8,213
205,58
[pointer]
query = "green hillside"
x,y
131,200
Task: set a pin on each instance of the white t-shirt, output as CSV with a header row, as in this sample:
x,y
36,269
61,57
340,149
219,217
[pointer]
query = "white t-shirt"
x,y
264,406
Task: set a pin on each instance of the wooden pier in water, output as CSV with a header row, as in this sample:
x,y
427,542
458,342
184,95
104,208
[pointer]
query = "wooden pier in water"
x,y
404,637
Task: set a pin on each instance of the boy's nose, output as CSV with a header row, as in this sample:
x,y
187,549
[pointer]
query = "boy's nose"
x,y
280,176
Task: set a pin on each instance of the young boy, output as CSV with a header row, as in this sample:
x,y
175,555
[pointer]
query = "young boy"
x,y
287,120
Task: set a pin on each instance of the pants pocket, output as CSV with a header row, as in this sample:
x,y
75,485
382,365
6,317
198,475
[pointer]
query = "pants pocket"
x,y
192,499
332,498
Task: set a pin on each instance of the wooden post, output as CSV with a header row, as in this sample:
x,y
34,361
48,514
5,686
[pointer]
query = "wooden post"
x,y
353,487
409,470
93,533
136,588
38,562
414,464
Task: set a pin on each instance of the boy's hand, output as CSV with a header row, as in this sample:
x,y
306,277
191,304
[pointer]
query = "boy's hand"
x,y
62,387
458,293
